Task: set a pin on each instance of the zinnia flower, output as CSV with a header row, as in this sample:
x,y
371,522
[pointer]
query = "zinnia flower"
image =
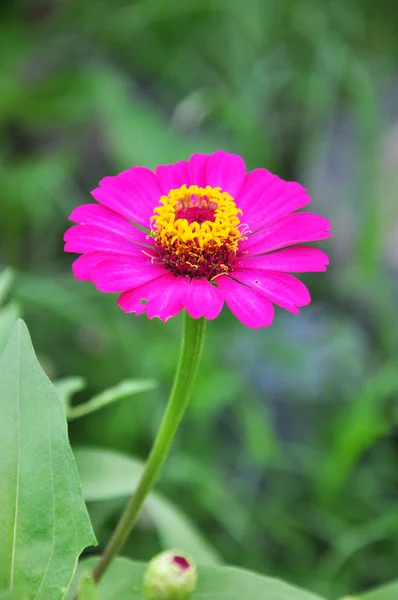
x,y
196,234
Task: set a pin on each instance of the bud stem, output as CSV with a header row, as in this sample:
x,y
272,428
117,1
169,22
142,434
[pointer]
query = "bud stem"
x,y
190,353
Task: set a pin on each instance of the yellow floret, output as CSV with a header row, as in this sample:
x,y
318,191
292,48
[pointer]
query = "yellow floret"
x,y
172,231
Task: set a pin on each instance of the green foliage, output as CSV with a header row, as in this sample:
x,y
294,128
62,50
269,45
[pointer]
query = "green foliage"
x,y
13,595
8,315
357,429
87,588
69,386
124,581
6,280
43,520
108,475
124,389
387,592
10,312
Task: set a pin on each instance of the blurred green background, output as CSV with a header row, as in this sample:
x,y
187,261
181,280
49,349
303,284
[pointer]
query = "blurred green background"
x,y
287,460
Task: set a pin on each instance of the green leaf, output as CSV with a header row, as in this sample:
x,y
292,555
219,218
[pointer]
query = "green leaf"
x,y
67,387
123,390
106,475
43,520
8,315
387,592
87,588
124,579
7,277
352,540
356,429
14,595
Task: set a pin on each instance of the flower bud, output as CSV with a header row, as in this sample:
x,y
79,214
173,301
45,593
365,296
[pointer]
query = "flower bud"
x,y
170,575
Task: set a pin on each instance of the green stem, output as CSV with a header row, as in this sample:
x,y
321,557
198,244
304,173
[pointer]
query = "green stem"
x,y
191,348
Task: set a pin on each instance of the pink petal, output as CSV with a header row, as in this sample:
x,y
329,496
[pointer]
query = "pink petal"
x,y
255,184
158,298
226,171
266,197
100,216
173,176
83,266
197,169
251,308
133,193
298,259
280,288
201,299
293,229
88,238
124,273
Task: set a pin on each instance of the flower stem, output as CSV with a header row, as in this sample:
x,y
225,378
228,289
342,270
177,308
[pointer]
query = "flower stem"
x,y
191,349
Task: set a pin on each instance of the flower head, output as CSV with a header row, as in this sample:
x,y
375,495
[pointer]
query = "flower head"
x,y
196,234
170,576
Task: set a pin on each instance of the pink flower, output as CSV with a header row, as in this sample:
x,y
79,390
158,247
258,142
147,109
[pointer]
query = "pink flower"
x,y
195,234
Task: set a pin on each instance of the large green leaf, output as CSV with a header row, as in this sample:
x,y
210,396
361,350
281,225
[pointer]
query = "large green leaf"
x,y
387,592
43,520
124,579
13,595
105,475
87,588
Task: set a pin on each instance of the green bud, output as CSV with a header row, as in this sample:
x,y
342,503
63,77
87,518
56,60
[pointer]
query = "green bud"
x,y
170,575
